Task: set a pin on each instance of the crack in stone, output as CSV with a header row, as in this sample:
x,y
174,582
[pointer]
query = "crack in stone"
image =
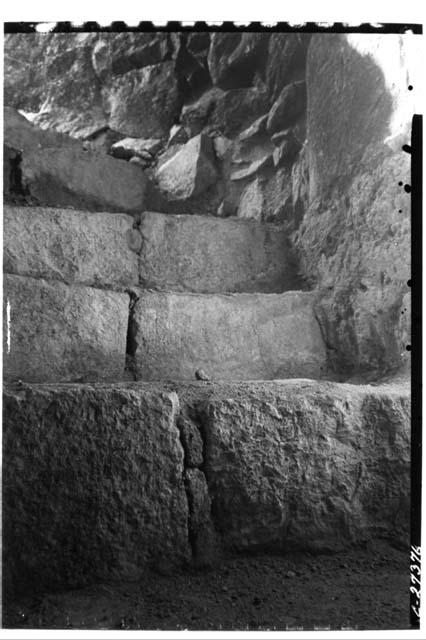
x,y
202,535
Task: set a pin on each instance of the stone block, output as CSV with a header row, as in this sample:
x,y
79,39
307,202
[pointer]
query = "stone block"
x,y
235,336
60,332
300,464
93,484
55,170
71,246
212,255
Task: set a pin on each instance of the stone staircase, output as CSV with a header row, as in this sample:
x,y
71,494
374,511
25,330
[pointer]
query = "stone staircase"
x,y
176,390
116,458
88,289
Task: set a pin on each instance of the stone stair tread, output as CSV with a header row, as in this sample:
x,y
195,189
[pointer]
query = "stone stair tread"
x,y
79,247
304,464
230,336
206,254
59,331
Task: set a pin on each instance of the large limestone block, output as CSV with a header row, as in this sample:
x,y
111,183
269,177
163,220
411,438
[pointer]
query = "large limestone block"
x,y
93,484
308,465
55,170
235,336
72,246
210,255
60,332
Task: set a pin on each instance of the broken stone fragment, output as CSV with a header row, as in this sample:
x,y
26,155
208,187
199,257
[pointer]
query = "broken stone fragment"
x,y
251,202
255,166
137,50
141,162
222,146
286,56
256,128
178,135
196,115
190,171
191,441
237,108
286,149
134,240
287,107
144,102
129,147
221,47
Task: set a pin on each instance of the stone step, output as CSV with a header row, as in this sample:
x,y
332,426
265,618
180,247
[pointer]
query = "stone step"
x,y
55,170
53,331
75,247
100,481
212,255
232,337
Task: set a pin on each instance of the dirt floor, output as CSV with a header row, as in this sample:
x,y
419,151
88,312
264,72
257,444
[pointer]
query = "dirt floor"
x,y
363,588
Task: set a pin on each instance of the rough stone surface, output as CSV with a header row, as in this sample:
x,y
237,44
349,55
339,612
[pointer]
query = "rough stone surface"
x,y
236,109
60,332
277,193
65,79
116,54
286,60
190,171
92,484
202,535
55,170
221,46
211,255
251,202
196,115
145,102
234,58
239,336
70,98
308,465
252,168
72,246
287,107
355,236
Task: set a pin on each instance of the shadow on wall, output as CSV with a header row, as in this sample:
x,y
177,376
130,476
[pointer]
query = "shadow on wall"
x,y
354,240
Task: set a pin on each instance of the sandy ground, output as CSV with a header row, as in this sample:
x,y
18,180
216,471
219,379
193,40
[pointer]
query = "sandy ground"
x,y
362,588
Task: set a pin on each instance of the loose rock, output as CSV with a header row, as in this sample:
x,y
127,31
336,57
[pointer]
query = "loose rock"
x,y
190,171
129,147
287,107
145,102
